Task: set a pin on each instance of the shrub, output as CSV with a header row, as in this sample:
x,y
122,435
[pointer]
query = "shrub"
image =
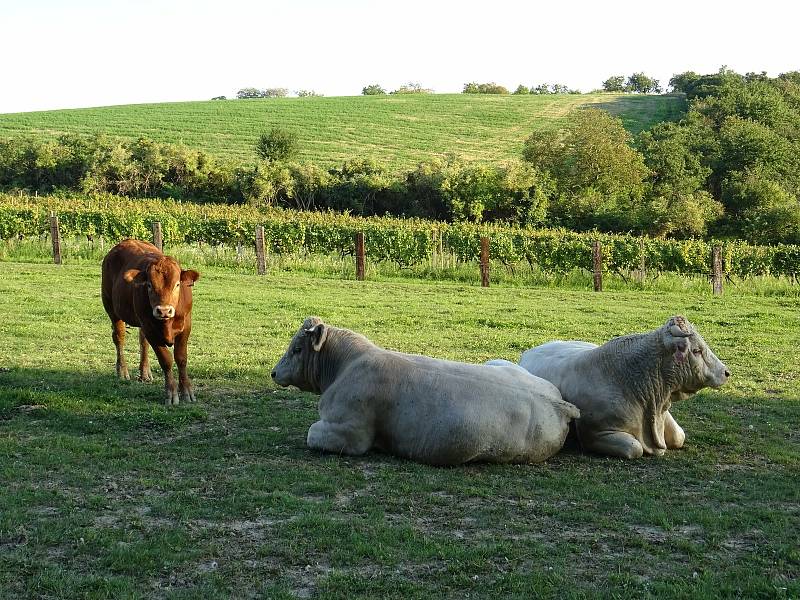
x,y
278,144
372,90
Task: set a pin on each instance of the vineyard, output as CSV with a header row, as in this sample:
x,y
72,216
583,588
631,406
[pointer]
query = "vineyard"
x,y
406,242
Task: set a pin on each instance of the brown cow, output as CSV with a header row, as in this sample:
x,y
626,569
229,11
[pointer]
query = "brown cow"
x,y
146,289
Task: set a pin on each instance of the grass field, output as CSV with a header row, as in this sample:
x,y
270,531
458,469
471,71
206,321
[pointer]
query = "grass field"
x,y
397,130
104,492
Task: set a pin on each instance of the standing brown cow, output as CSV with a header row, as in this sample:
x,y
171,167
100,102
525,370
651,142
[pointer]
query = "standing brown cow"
x,y
146,289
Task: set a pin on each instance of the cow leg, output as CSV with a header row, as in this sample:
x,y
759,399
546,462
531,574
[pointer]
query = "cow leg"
x,y
144,360
181,355
612,443
118,335
338,438
674,435
165,360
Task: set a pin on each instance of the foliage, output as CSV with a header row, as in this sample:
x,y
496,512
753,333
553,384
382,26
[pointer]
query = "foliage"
x,y
249,92
596,172
308,94
555,88
521,90
373,90
277,145
484,88
403,241
219,98
412,88
640,83
615,83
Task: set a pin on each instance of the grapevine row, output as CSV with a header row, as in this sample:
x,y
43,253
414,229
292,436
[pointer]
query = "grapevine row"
x,y
404,241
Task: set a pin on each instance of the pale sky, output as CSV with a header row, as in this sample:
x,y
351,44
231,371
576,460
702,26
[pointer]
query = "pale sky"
x,y
79,53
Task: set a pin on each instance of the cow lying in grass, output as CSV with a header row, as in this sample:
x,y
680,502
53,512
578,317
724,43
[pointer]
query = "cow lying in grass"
x,y
625,387
145,289
432,411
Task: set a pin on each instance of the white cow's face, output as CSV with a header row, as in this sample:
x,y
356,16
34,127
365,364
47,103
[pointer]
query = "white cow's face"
x,y
696,364
299,364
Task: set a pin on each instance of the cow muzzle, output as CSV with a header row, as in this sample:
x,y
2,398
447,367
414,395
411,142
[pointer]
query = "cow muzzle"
x,y
163,312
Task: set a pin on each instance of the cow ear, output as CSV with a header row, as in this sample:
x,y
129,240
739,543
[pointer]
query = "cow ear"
x,y
681,350
318,335
135,276
189,277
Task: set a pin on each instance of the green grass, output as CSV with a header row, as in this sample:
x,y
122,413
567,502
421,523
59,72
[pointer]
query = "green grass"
x,y
104,492
397,130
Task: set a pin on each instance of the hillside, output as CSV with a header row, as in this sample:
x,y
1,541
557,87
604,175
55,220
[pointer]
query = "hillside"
x,y
398,130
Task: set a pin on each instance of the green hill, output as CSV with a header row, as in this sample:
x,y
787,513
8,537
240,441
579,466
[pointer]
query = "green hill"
x,y
398,130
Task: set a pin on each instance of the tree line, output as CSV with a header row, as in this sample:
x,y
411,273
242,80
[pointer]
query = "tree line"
x,y
730,167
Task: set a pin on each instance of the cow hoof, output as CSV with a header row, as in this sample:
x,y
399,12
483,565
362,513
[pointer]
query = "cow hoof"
x,y
171,399
122,373
146,376
188,396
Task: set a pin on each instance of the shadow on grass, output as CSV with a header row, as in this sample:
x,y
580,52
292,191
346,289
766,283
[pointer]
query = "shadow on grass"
x,y
632,108
86,403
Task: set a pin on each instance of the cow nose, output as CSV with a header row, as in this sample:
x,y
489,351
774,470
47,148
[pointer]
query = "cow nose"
x,y
274,374
164,312
727,373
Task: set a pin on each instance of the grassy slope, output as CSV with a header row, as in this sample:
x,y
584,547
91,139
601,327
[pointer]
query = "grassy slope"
x,y
105,492
400,130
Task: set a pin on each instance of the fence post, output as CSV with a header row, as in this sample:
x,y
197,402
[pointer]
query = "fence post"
x,y
360,267
55,234
260,256
158,240
597,265
716,270
642,261
484,262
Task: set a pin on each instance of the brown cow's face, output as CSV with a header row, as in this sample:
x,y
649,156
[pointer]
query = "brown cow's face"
x,y
163,281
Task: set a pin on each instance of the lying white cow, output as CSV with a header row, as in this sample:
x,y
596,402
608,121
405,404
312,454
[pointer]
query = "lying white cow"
x,y
429,410
625,387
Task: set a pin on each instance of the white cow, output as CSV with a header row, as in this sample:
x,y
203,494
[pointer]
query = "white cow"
x,y
433,411
625,387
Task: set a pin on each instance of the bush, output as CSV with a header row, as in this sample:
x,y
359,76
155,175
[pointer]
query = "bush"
x,y
278,144
372,90
412,88
484,88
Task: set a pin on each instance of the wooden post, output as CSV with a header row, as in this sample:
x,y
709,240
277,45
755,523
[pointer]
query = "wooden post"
x,y
642,261
55,234
360,268
260,256
158,240
239,252
716,270
597,265
484,262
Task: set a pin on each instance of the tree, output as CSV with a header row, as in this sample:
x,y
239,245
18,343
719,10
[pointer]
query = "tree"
x,y
219,98
412,88
308,94
484,88
521,89
249,93
277,145
639,83
683,82
274,93
615,83
597,174
373,90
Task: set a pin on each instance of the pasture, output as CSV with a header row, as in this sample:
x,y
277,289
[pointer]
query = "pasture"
x,y
398,130
104,492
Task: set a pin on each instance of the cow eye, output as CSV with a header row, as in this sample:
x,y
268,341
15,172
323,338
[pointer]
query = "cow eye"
x,y
178,284
697,351
297,349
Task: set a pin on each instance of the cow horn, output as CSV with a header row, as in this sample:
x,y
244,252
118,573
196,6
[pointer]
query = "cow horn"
x,y
680,328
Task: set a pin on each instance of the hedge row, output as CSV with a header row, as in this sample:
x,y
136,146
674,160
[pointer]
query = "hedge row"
x,y
404,241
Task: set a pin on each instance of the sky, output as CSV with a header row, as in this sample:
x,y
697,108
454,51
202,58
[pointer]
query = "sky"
x,y
81,53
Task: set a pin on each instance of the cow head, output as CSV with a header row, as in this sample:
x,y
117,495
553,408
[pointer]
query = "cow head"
x,y
695,365
163,280
299,364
